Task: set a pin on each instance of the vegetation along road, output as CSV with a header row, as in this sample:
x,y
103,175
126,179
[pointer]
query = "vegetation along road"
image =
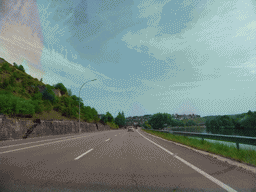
x,y
115,160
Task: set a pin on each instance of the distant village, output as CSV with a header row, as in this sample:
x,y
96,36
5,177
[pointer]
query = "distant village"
x,y
141,119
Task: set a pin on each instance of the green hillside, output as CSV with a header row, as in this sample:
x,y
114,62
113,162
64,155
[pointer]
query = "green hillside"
x,y
25,97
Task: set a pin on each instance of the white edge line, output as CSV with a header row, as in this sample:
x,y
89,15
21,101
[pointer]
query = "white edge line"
x,y
224,186
44,140
84,154
38,141
39,145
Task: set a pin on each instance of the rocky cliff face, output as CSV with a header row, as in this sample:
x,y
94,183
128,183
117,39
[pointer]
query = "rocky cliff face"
x,y
21,129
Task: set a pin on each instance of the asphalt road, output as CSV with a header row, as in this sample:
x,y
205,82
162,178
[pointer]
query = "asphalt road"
x,y
115,160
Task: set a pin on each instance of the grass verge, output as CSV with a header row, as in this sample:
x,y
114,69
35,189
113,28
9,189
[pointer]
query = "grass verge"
x,y
247,156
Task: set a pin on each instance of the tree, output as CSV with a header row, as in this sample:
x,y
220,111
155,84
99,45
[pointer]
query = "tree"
x,y
214,123
61,87
190,123
249,121
21,68
120,119
158,120
110,118
69,92
77,100
48,94
104,119
225,121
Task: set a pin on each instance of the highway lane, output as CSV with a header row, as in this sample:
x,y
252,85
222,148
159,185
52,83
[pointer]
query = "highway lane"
x,y
115,160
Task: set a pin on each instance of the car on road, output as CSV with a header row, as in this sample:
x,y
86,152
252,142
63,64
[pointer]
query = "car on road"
x,y
130,129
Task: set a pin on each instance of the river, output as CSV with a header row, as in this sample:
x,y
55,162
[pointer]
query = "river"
x,y
221,131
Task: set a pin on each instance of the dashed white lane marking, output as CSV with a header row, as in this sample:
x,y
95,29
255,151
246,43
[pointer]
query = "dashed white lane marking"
x,y
107,139
224,186
83,154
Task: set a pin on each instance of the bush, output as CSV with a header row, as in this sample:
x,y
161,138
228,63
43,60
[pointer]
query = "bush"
x,y
47,106
112,125
12,81
37,96
12,105
146,125
38,105
6,104
26,107
61,87
5,83
70,112
6,67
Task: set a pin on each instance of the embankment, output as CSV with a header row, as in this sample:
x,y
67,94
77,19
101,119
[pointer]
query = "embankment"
x,y
21,129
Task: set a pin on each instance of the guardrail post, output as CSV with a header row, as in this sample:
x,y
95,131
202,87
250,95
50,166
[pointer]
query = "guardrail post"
x,y
237,146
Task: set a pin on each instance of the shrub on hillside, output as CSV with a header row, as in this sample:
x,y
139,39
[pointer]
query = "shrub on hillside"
x,y
61,87
11,105
47,105
146,125
37,96
5,84
38,105
70,112
5,67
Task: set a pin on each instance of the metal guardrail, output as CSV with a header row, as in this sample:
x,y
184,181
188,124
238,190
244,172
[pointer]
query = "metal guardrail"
x,y
234,139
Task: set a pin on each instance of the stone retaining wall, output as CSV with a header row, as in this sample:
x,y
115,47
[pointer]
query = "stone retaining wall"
x,y
18,129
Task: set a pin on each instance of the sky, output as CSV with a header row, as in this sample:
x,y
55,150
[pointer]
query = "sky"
x,y
148,56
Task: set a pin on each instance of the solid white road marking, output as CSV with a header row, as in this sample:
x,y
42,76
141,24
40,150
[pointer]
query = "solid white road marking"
x,y
41,144
84,154
224,186
37,141
38,145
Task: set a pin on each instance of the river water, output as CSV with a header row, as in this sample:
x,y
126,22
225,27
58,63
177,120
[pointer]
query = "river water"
x,y
221,131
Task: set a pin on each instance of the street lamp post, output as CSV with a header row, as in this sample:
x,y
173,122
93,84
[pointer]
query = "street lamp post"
x,y
79,102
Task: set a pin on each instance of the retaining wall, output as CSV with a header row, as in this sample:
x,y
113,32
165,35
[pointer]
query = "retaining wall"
x,y
20,129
